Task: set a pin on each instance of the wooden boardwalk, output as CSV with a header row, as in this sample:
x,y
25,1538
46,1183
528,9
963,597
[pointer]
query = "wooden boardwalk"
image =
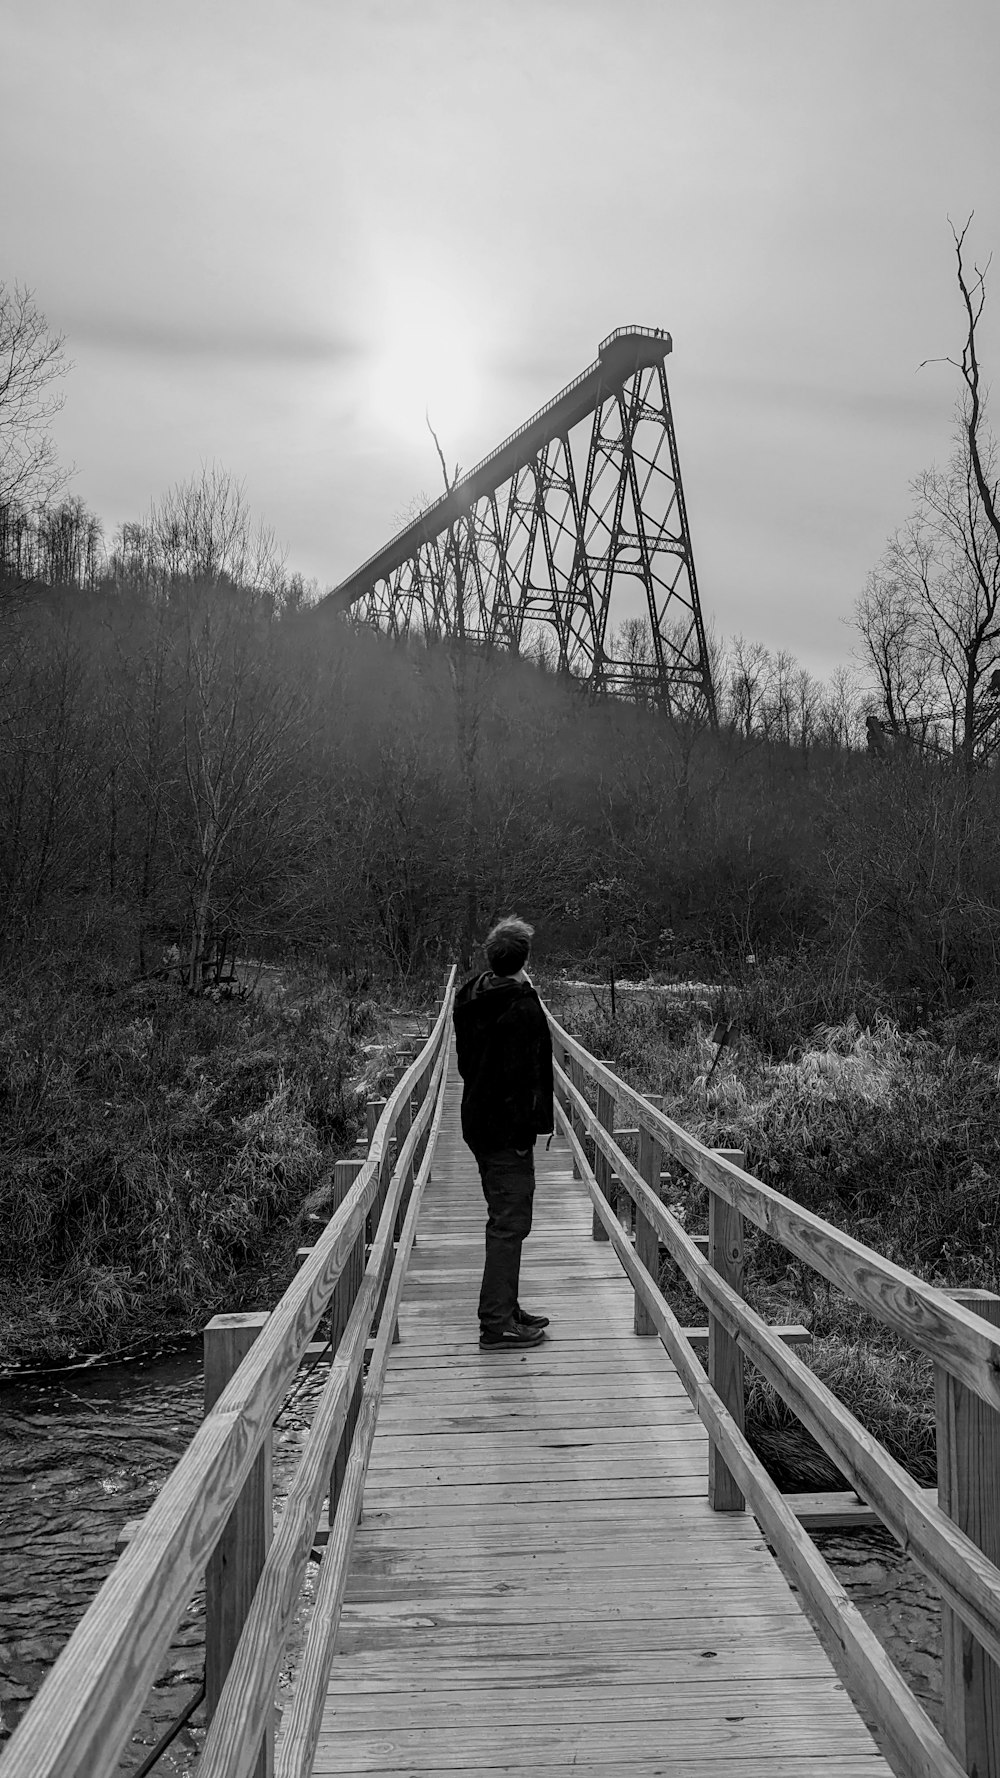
x,y
538,1582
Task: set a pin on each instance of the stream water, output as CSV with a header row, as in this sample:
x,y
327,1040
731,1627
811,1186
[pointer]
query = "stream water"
x,y
81,1453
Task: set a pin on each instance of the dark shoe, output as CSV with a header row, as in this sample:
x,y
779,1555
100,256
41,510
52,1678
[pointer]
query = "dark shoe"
x,y
523,1319
510,1339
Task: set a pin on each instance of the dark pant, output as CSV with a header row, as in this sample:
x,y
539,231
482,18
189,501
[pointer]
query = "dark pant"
x,y
509,1187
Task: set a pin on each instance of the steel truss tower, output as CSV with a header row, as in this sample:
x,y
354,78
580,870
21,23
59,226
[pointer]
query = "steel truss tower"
x,y
580,510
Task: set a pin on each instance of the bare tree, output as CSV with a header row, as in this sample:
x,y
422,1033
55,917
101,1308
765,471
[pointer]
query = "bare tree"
x,y
948,559
32,361
632,644
201,533
893,648
840,709
929,618
748,684
980,446
238,731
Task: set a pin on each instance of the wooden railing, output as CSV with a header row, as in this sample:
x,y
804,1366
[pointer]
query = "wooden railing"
x,y
955,1538
213,1518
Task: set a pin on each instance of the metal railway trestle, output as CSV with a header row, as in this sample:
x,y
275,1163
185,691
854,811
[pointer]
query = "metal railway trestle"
x,y
578,510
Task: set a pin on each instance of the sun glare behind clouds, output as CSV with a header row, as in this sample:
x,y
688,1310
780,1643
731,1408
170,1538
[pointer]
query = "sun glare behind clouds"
x,y
425,360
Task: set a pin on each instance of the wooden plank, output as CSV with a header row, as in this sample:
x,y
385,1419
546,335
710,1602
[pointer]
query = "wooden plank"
x,y
482,1443
344,1297
647,1247
833,1511
378,1629
611,1555
671,1517
687,1461
677,1498
725,1360
547,1588
602,1169
373,1112
238,1558
968,1461
858,1766
473,1379
342,1750
785,1654
760,1700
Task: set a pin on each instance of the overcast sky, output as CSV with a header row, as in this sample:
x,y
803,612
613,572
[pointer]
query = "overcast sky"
x,y
273,231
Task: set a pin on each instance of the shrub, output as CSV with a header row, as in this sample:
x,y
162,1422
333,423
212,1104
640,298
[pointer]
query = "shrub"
x,y
156,1149
892,1134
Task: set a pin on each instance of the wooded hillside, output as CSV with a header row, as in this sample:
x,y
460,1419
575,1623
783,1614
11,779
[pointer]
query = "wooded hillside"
x,y
184,762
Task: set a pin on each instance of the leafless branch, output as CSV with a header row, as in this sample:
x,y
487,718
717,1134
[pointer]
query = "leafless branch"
x,y
32,361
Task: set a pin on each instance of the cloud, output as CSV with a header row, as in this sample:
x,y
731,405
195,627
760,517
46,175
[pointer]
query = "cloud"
x,y
240,341
893,407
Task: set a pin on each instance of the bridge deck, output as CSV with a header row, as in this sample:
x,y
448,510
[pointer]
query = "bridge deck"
x,y
538,1581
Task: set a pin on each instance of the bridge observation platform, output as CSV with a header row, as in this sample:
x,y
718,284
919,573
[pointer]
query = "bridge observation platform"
x,y
621,354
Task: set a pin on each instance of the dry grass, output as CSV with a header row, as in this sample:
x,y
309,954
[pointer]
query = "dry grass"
x,y
891,1134
156,1149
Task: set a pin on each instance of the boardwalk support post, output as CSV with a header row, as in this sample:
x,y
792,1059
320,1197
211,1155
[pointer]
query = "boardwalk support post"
x,y
236,1562
404,1120
342,1302
606,1111
570,1070
968,1466
725,1360
647,1244
373,1111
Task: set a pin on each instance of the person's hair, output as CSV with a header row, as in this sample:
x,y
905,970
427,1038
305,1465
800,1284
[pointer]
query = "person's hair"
x,y
508,944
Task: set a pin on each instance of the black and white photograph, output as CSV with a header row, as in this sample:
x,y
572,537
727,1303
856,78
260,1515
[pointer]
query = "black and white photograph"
x,y
499,889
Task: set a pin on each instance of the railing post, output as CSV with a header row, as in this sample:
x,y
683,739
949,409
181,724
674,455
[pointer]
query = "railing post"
x,y
569,1068
403,1122
373,1111
235,1564
968,1467
606,1108
725,1360
341,1304
647,1244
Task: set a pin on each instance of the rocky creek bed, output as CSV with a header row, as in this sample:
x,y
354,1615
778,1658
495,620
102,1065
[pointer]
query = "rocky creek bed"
x,y
85,1451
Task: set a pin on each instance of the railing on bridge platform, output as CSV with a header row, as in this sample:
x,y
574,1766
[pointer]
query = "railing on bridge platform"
x,y
955,1537
213,1518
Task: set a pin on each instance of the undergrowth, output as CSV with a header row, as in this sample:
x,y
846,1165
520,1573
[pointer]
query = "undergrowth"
x,y
155,1148
889,1131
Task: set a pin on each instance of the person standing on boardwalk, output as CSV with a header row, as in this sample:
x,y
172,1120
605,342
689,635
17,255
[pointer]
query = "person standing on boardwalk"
x,y
505,1060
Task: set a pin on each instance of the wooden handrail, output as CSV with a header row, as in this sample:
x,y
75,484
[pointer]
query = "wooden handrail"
x,y
965,1577
870,1675
962,1343
305,1716
79,1723
246,1702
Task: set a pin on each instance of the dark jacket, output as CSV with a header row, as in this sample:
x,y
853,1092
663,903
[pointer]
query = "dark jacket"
x,y
505,1060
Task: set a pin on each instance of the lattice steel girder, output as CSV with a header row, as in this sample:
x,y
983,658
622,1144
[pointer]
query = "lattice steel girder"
x,y
575,522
